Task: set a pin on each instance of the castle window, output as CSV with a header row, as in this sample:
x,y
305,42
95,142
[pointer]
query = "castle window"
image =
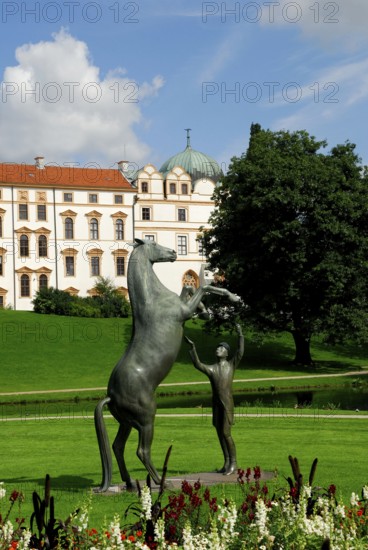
x,y
41,212
120,266
93,229
146,213
24,246
42,282
144,187
184,188
42,246
172,188
182,245
182,215
95,266
23,211
119,230
69,266
69,228
25,289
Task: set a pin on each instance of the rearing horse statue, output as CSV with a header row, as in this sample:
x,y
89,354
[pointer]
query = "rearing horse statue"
x,y
158,319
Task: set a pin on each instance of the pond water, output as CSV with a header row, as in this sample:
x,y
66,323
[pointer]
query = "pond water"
x,y
344,398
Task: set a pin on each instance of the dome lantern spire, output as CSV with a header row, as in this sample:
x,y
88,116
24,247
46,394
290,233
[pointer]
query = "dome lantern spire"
x,y
188,136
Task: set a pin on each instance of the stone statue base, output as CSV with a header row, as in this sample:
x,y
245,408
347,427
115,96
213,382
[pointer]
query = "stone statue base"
x,y
174,483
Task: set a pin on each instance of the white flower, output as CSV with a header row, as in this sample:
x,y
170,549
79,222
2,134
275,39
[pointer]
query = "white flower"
x,y
160,534
227,517
83,520
187,538
6,531
340,510
354,499
261,517
2,490
307,491
365,492
24,539
115,532
146,501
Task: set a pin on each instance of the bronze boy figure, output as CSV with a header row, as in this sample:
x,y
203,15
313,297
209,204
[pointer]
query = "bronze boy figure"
x,y
221,376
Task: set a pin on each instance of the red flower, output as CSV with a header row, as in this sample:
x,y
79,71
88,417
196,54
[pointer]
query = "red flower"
x,y
213,504
244,507
131,538
293,492
197,485
14,496
332,489
186,488
257,472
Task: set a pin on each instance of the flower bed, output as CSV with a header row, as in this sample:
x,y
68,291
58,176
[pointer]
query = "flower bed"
x,y
298,517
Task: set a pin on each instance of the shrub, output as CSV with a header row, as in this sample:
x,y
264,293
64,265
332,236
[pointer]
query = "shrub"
x,y
52,300
108,302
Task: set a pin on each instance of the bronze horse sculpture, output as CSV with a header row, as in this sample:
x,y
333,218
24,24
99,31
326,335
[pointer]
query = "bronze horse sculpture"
x,y
158,319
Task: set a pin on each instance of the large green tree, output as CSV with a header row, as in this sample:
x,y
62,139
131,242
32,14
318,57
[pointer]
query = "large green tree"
x,y
290,236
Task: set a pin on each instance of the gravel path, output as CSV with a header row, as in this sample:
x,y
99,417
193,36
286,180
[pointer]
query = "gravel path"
x,y
302,377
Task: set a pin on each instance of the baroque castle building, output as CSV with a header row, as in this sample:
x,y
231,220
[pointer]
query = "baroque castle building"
x,y
65,226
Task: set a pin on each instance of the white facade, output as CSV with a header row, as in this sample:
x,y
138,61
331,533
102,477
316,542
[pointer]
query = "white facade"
x,y
172,212
62,227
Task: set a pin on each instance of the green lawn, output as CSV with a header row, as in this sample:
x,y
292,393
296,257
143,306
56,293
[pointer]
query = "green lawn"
x,y
67,450
41,433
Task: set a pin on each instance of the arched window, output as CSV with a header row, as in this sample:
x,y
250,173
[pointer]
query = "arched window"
x,y
69,228
42,246
24,286
119,230
93,229
42,281
190,278
24,245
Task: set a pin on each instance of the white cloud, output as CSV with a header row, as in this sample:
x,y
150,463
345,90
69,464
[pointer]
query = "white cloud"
x,y
55,104
340,23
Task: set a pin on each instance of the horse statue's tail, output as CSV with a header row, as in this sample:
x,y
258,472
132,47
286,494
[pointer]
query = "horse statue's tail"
x,y
104,445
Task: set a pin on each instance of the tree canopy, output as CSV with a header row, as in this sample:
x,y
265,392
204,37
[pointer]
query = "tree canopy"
x,y
290,235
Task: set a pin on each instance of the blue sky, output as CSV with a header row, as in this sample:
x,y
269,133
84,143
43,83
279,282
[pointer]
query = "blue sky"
x,y
89,82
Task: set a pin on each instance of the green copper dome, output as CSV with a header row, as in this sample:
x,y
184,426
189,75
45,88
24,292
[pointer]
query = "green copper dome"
x,y
197,164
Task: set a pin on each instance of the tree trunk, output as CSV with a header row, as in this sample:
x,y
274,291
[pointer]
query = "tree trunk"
x,y
302,349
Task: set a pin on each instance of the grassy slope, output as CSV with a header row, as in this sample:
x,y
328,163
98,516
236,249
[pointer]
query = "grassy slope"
x,y
42,352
